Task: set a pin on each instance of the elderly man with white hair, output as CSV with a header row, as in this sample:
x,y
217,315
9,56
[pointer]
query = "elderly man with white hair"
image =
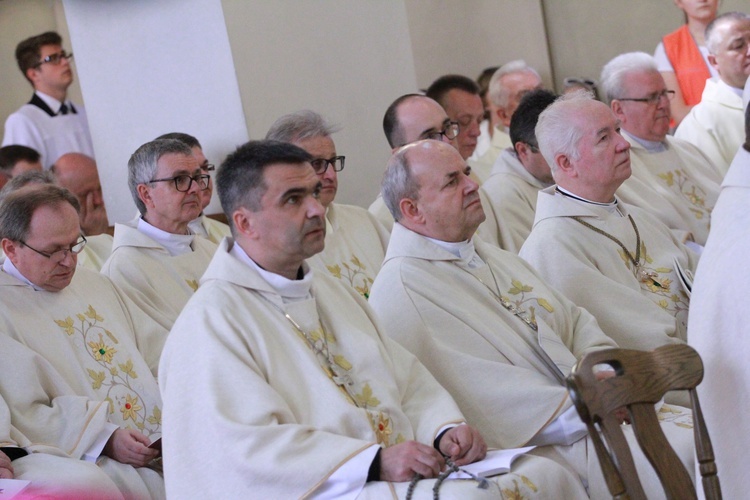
x,y
671,178
618,261
716,124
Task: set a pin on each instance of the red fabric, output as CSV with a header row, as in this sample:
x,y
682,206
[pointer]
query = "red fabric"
x,y
688,63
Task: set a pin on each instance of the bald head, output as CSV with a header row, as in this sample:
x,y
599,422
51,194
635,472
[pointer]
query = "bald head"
x,y
413,117
78,173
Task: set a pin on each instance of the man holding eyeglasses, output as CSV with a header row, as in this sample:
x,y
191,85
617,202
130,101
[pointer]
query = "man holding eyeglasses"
x,y
102,347
671,178
156,260
49,123
355,240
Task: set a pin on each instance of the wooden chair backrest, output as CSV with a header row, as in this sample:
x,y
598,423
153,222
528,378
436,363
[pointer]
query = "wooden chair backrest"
x,y
641,380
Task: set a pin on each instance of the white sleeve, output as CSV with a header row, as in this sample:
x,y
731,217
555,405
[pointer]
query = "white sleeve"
x,y
662,61
95,450
565,429
350,478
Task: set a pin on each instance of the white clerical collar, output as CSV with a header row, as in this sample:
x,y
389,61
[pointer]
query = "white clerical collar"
x,y
12,270
176,244
733,89
50,101
290,290
464,250
649,146
196,226
611,207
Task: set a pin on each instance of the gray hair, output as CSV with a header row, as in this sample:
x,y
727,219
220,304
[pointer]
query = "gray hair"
x,y
143,164
26,178
556,133
18,207
299,126
497,92
398,182
614,72
712,38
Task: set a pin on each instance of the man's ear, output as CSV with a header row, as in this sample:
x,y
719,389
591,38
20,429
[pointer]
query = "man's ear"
x,y
522,150
410,212
144,194
712,61
31,75
616,106
244,221
502,115
10,248
563,163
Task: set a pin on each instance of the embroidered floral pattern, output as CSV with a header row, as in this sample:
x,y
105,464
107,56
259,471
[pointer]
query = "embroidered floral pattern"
x,y
193,284
520,298
679,182
113,380
355,274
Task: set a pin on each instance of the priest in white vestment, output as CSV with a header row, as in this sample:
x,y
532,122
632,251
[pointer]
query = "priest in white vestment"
x,y
617,261
518,174
671,178
500,322
156,259
98,342
716,124
355,240
719,322
284,375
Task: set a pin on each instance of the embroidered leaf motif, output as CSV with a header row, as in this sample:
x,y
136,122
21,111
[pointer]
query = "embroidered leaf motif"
x,y
663,270
81,317
366,398
66,324
111,405
400,438
514,494
155,417
545,304
97,377
128,368
682,424
111,336
528,483
91,313
342,362
140,425
668,178
193,284
113,371
663,304
357,262
335,270
519,287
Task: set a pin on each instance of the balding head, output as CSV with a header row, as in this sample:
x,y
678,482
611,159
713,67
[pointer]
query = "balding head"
x,y
78,173
728,43
414,117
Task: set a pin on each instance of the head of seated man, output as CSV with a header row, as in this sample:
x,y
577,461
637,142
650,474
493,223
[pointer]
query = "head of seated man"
x,y
428,190
580,139
40,234
413,117
16,159
460,97
638,95
166,182
728,44
270,193
523,136
197,149
77,173
311,132
507,86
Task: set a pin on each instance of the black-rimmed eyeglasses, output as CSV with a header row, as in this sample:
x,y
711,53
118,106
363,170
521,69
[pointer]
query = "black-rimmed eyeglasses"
x,y
59,255
653,98
320,165
184,182
450,131
55,59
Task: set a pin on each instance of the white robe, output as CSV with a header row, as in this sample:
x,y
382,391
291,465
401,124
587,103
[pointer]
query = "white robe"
x,y
679,186
719,319
483,166
157,282
511,192
716,125
297,428
482,353
96,252
210,228
354,247
594,272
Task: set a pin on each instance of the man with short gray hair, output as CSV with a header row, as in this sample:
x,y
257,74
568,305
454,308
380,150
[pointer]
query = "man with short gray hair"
x,y
355,240
156,260
670,178
716,124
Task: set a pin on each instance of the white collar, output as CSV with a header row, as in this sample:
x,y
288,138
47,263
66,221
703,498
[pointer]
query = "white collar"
x,y
50,101
734,90
175,244
612,207
289,290
464,250
196,226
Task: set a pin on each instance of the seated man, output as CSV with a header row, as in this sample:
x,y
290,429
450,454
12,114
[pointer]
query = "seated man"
x,y
519,173
670,178
618,261
355,241
715,125
156,260
79,323
204,226
501,340
328,407
16,159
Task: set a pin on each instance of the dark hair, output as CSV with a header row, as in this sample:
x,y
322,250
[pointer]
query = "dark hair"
x,y
12,154
29,51
240,179
18,207
393,133
446,83
526,116
188,139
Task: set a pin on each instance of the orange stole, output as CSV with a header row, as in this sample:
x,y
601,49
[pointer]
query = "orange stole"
x,y
688,63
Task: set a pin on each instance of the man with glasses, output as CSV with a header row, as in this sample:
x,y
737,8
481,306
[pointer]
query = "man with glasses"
x,y
204,226
716,124
100,344
519,173
671,178
156,259
355,240
49,123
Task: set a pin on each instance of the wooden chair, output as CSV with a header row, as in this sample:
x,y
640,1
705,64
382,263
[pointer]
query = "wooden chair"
x,y
642,378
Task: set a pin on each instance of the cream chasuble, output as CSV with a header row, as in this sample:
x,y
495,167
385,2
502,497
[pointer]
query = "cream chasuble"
x,y
209,228
354,247
677,185
595,272
716,125
511,193
96,252
483,166
719,319
157,282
